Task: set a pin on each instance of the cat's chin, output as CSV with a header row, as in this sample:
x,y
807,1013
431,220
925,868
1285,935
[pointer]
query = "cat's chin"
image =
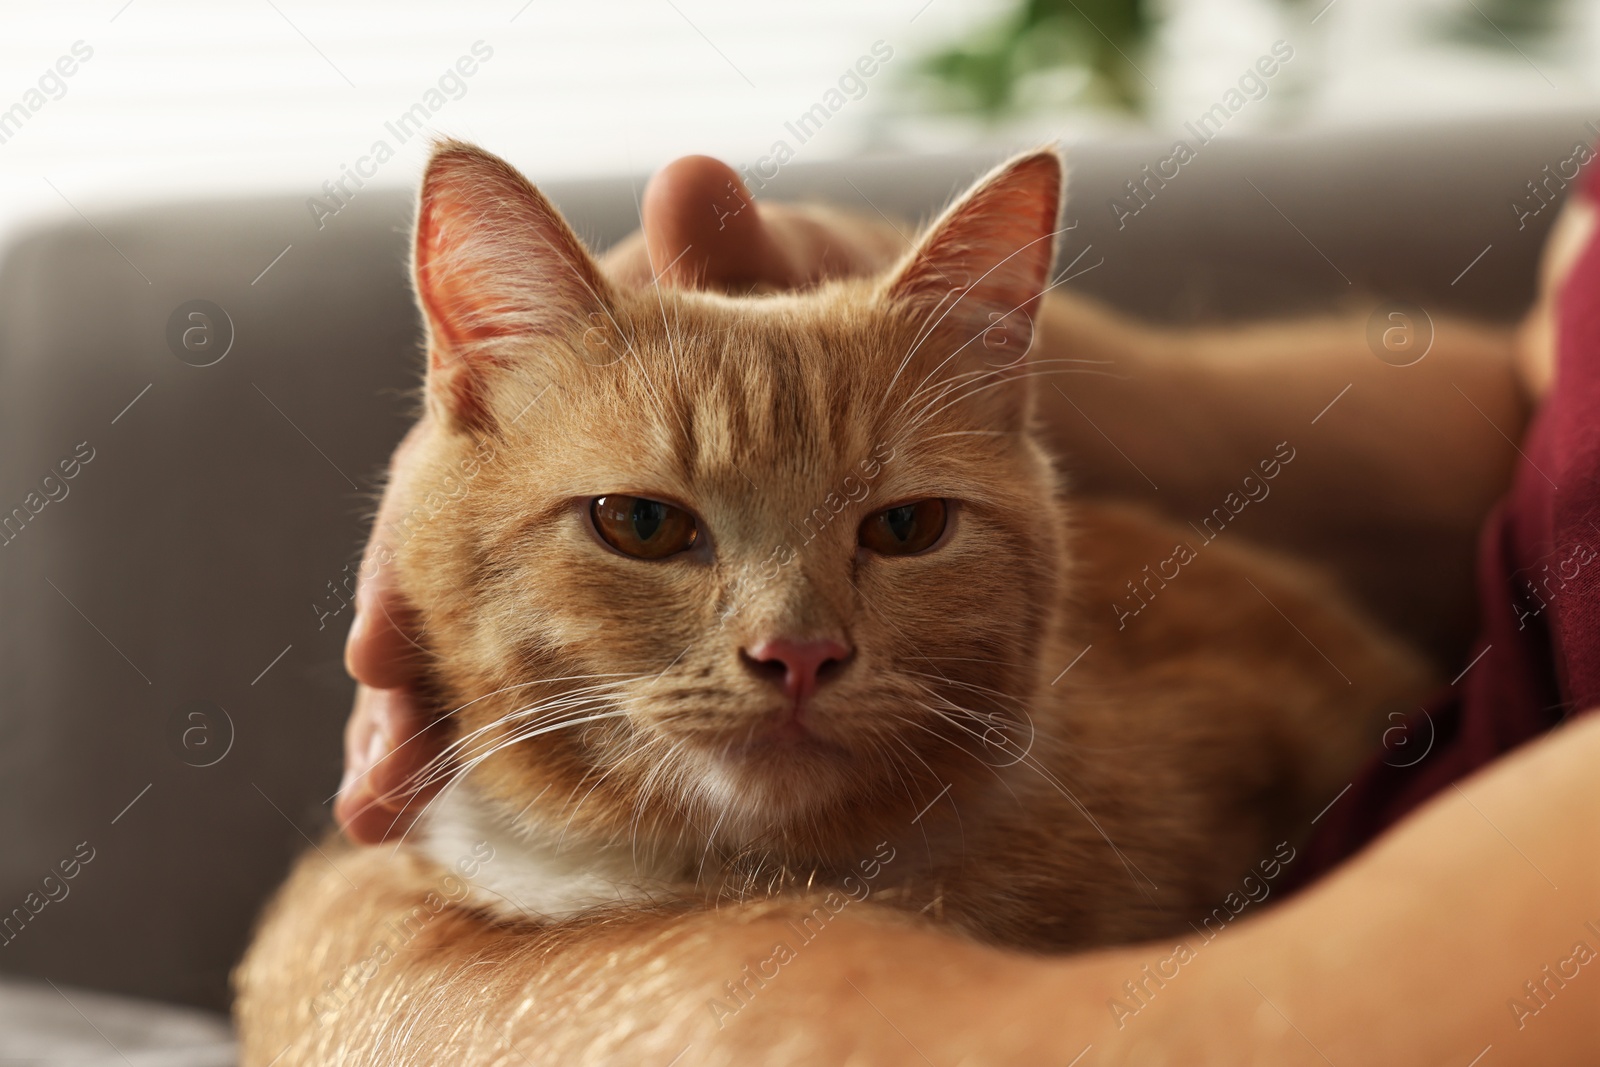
x,y
787,742
778,775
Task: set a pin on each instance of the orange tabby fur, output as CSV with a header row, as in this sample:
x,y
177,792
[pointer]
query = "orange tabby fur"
x,y
1023,805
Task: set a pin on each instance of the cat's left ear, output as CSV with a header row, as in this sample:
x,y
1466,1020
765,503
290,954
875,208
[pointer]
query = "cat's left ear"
x,y
975,279
494,265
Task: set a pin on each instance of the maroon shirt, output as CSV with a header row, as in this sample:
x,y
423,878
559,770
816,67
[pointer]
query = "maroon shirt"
x,y
1537,659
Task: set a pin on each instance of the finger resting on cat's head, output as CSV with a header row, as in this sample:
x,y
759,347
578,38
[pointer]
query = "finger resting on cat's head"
x,y
387,744
380,650
702,229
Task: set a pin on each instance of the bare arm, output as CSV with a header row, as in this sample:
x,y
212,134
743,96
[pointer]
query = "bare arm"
x,y
1411,955
1394,464
1360,947
1402,466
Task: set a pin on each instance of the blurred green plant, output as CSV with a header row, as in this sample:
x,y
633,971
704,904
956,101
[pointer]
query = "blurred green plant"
x,y
1503,24
1050,53
1085,44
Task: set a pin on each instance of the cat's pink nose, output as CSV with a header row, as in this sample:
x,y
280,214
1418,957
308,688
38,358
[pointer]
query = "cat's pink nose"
x,y
798,665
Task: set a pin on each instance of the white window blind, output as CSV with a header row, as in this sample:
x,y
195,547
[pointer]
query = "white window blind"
x,y
188,98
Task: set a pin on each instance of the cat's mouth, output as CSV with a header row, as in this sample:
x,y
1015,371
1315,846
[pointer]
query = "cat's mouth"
x,y
781,735
787,738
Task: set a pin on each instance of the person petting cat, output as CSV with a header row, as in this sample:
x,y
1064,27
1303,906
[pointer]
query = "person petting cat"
x,y
1417,945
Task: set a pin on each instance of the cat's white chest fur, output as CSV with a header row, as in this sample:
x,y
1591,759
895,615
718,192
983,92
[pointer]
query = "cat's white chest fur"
x,y
530,876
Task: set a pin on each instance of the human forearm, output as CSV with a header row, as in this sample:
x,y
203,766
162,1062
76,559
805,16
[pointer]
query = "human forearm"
x,y
1401,467
346,972
1192,407
1413,954
1410,955
1419,951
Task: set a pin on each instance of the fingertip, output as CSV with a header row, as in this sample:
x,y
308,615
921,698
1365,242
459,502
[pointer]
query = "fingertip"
x,y
371,804
349,807
399,746
702,228
368,820
379,650
355,641
693,181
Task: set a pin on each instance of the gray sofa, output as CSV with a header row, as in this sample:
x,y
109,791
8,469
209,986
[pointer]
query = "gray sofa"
x,y
171,691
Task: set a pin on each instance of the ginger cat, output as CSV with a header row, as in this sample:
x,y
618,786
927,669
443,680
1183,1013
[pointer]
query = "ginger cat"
x,y
738,596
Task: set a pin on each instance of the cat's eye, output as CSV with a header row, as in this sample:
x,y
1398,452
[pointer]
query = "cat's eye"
x,y
906,528
643,528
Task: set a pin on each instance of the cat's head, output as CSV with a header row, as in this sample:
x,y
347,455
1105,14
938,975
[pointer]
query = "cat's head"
x,y
760,568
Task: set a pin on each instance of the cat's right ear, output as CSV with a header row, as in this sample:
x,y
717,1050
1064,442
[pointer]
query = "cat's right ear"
x,y
494,266
975,279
